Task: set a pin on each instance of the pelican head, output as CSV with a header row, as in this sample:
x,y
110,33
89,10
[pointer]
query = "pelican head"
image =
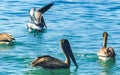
x,y
105,34
64,43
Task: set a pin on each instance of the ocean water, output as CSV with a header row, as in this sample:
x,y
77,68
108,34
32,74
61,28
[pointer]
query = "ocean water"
x,y
82,22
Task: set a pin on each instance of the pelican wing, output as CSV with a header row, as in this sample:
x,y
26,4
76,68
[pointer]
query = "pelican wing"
x,y
45,8
31,14
51,63
110,52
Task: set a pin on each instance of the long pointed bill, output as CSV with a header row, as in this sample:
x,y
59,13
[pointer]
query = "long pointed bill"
x,y
68,51
72,56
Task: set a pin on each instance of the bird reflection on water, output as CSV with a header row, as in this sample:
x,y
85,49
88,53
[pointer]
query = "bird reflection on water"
x,y
107,65
41,71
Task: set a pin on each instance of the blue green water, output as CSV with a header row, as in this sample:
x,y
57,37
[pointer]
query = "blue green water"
x,y
82,22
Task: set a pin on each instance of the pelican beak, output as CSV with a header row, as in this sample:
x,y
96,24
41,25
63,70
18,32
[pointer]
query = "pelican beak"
x,y
68,51
72,57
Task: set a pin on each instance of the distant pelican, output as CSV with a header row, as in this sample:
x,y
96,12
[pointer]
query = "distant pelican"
x,y
6,38
50,62
37,22
106,53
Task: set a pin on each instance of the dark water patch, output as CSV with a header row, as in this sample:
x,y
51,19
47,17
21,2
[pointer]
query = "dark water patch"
x,y
4,19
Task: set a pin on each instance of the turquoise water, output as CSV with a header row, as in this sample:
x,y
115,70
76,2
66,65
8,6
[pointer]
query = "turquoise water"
x,y
82,22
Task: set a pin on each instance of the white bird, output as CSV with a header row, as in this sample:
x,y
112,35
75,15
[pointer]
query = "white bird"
x,y
37,22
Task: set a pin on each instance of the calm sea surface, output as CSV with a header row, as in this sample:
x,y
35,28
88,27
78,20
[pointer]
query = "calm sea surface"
x,y
82,22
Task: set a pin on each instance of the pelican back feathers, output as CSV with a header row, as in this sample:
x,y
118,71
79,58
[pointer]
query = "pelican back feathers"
x,y
49,62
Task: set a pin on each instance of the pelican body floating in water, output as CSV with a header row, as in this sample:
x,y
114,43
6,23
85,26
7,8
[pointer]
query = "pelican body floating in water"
x,y
106,53
50,62
6,38
37,22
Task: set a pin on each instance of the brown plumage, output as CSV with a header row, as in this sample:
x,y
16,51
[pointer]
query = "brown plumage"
x,y
50,62
104,51
6,38
40,20
38,17
54,63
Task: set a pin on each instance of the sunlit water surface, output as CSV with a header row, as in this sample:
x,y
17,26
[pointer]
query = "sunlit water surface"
x,y
82,22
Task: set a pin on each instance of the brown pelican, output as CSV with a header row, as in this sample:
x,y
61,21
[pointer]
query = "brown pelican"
x,y
104,52
6,38
37,22
50,62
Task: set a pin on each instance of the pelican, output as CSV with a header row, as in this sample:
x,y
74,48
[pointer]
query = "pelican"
x,y
6,38
106,53
37,22
50,62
